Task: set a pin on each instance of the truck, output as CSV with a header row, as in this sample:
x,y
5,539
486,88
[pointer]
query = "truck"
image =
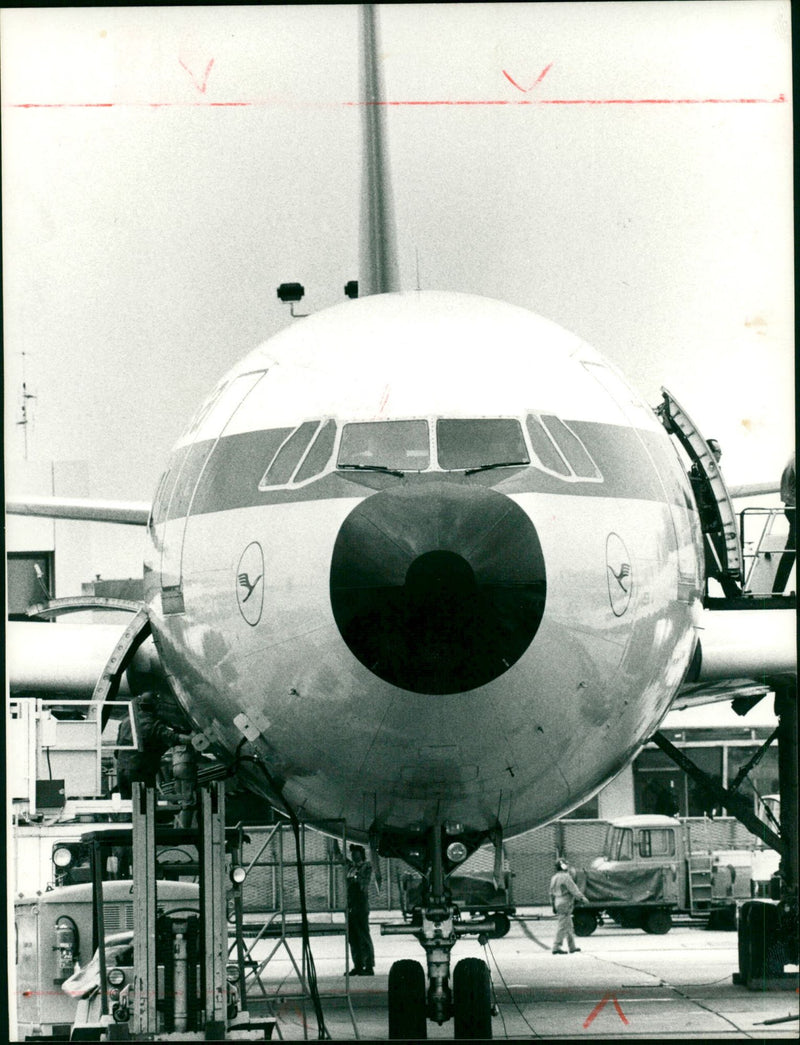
x,y
649,871
53,942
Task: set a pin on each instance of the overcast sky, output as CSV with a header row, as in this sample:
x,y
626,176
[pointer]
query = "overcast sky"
x,y
635,187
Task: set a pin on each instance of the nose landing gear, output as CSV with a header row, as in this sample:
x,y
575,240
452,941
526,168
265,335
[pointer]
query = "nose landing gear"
x,y
437,925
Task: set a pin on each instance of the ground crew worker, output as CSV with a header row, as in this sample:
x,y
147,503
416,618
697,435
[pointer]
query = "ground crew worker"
x,y
789,498
706,504
156,735
359,874
563,894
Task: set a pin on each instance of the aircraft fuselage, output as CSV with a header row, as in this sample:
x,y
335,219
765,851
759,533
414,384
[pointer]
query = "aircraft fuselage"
x,y
441,557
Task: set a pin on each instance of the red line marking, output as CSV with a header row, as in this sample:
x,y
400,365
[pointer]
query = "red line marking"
x,y
621,1013
587,101
781,99
601,1005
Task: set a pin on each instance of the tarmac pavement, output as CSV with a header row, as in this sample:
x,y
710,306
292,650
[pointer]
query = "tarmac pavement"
x,y
623,983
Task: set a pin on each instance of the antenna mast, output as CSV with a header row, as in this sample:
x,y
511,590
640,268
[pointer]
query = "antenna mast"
x,y
26,395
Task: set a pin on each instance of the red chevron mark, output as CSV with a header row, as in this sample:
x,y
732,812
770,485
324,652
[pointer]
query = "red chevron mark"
x,y
601,1005
200,86
538,80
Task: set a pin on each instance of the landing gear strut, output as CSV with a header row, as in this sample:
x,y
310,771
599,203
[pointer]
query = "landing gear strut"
x,y
437,924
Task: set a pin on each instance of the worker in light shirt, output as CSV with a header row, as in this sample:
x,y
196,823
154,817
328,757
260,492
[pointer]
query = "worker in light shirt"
x,y
563,894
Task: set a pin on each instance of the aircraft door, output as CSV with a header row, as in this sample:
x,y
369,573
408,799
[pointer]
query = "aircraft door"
x,y
186,467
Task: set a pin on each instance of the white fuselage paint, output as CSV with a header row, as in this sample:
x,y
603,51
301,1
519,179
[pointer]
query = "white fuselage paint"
x,y
599,673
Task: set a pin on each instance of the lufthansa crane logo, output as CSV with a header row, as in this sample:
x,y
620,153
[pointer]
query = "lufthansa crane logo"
x,y
618,574
250,583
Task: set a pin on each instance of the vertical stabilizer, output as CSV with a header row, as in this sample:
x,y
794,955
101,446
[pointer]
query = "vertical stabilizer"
x,y
378,269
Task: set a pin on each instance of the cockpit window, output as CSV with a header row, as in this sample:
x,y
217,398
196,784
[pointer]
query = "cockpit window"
x,y
288,456
571,447
319,453
480,443
543,446
394,445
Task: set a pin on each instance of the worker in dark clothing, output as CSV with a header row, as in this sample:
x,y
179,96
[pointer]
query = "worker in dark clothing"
x,y
706,504
563,894
359,875
788,497
155,736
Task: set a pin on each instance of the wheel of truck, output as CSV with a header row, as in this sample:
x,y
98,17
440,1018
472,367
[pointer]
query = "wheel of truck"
x,y
760,945
585,921
472,999
407,1001
657,922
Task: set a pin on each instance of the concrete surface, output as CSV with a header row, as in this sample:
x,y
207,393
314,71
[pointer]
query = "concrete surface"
x,y
673,986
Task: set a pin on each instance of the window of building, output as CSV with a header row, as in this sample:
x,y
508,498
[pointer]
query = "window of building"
x,y
762,778
661,787
30,582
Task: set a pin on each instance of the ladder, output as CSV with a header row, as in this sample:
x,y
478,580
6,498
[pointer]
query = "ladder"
x,y
699,881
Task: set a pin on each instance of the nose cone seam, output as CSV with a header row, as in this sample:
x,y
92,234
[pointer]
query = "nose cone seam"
x,y
438,588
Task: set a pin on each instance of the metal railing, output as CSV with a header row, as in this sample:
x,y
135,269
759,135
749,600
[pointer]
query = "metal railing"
x,y
762,547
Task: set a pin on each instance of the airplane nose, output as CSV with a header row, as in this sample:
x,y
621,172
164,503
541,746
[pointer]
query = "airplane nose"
x,y
438,587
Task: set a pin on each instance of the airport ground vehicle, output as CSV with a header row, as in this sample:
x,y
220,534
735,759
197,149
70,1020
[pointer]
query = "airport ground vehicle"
x,y
649,871
54,938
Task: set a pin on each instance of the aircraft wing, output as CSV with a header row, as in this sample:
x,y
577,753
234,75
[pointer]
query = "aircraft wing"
x,y
692,695
131,513
741,654
754,489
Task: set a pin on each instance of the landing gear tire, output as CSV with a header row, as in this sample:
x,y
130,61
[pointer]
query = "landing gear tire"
x,y
407,1001
472,999
585,922
657,922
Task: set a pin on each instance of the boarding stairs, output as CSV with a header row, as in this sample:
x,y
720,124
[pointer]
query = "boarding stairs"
x,y
741,556
762,533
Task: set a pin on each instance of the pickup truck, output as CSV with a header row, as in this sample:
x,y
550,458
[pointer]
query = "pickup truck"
x,y
649,871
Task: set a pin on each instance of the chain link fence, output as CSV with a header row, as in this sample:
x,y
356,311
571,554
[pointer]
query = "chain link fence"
x,y
271,884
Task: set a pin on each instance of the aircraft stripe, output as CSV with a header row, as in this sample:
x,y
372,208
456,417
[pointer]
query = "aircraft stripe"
x,y
231,468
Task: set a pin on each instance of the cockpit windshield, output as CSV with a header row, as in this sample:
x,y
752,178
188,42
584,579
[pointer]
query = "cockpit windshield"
x,y
385,445
480,443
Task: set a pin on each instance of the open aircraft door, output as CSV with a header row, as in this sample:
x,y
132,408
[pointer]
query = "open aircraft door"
x,y
723,552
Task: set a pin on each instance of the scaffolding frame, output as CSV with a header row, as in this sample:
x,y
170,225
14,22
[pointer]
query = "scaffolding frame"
x,y
280,928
